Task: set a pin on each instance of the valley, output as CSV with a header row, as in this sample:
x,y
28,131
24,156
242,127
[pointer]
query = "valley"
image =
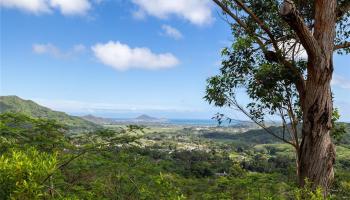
x,y
144,158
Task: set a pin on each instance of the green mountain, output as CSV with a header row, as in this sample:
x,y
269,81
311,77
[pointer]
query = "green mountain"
x,y
15,104
145,118
260,136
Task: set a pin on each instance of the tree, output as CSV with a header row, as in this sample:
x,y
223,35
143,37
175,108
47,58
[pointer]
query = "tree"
x,y
282,54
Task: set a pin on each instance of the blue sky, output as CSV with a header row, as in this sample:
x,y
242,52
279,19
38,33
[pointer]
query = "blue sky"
x,y
121,58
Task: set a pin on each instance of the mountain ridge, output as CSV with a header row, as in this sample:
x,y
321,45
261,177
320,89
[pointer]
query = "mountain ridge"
x,y
15,104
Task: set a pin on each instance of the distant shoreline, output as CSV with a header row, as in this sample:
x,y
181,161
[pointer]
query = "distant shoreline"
x,y
177,122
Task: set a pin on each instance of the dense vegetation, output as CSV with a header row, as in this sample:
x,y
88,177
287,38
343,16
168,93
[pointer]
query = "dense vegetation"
x,y
40,159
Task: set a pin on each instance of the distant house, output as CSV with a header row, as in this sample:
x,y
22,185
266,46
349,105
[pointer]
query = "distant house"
x,y
221,174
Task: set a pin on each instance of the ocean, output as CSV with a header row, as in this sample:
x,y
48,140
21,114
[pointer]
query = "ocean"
x,y
199,122
179,122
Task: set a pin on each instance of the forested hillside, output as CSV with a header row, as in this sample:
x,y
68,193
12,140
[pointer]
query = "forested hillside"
x,y
39,160
14,104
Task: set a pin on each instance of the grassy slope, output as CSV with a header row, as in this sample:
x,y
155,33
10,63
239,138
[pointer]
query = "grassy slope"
x,y
17,105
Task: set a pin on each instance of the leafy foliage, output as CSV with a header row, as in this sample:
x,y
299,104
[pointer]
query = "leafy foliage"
x,y
45,135
22,173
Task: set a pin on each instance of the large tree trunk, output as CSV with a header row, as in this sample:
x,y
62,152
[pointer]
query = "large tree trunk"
x,y
317,152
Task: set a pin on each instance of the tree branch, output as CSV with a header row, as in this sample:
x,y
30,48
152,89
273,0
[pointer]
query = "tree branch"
x,y
285,125
64,164
290,15
342,46
235,103
294,122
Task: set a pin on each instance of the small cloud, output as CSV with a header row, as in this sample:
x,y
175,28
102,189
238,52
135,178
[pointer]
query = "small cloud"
x,y
66,7
54,51
79,48
197,12
172,32
340,81
122,57
46,49
139,14
69,7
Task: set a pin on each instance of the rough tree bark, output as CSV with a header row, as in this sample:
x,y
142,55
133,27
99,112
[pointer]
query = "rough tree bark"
x,y
317,153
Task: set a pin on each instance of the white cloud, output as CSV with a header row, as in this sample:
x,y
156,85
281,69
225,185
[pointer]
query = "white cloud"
x,y
66,7
172,32
122,57
54,51
34,6
46,49
340,81
78,48
196,11
71,7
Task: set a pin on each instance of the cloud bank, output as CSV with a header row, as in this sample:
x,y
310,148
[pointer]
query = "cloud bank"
x,y
73,106
122,57
197,12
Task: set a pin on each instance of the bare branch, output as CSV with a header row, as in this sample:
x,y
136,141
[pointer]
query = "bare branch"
x,y
285,125
64,164
342,46
290,14
293,120
239,107
256,35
